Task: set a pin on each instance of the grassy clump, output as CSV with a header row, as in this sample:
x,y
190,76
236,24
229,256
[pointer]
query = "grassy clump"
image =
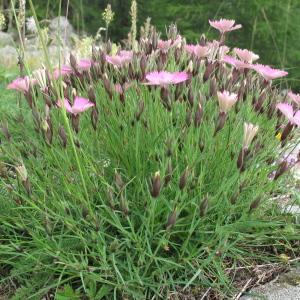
x,y
146,200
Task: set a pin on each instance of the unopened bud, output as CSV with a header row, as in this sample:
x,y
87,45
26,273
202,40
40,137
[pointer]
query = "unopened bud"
x,y
91,94
141,106
198,116
73,62
169,172
201,145
171,220
156,185
118,180
191,97
208,71
282,168
5,131
254,204
124,205
203,207
183,178
75,122
63,136
220,122
286,131
94,117
188,118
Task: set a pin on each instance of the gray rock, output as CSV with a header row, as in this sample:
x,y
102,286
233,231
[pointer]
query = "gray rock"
x,y
61,29
285,287
6,39
8,57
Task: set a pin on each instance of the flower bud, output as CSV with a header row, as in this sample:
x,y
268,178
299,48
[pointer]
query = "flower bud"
x,y
141,106
118,181
213,87
5,131
94,117
286,131
202,41
107,86
22,173
198,116
201,145
143,65
91,94
254,204
188,118
183,178
165,97
220,122
208,71
156,185
111,197
171,219
63,136
169,172
124,205
282,168
191,97
203,207
75,122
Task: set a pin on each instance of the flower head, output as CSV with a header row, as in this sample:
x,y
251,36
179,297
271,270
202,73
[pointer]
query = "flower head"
x,y
197,50
62,71
288,111
238,64
250,132
108,15
84,64
164,46
224,25
295,97
164,78
226,100
268,73
121,59
21,84
246,55
80,105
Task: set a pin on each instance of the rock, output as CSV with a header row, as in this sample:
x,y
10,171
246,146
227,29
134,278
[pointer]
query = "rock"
x,y
6,39
60,28
285,287
8,57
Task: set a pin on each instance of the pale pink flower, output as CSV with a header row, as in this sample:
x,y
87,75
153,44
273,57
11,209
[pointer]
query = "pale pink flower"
x,y
197,50
62,71
224,25
238,64
269,73
250,132
121,59
164,46
295,97
84,64
164,78
288,111
246,55
80,105
21,84
226,100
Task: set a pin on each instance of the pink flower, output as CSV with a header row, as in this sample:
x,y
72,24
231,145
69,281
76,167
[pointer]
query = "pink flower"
x,y
295,97
238,64
20,84
224,25
226,100
121,59
288,111
197,50
84,64
246,55
80,105
64,70
164,78
164,46
268,73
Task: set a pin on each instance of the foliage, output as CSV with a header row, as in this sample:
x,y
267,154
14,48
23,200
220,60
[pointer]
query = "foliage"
x,y
148,199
